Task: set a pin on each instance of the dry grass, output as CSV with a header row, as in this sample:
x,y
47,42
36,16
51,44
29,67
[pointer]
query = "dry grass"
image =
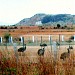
x,y
34,30
29,63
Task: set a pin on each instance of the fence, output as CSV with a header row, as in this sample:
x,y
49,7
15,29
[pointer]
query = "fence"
x,y
35,40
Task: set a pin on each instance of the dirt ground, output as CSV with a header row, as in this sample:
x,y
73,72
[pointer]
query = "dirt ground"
x,y
35,30
31,55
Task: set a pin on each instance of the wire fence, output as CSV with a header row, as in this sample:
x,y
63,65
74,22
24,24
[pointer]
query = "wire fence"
x,y
36,40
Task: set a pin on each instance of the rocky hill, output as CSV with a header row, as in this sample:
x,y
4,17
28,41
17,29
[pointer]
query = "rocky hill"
x,y
32,20
44,19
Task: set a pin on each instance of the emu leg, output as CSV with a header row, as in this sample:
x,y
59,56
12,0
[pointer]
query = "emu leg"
x,y
23,54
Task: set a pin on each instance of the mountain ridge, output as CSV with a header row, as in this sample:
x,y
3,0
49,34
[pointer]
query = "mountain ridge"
x,y
48,19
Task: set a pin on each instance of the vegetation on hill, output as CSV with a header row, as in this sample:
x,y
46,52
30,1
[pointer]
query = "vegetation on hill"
x,y
63,19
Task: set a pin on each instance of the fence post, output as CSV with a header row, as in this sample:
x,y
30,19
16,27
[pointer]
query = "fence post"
x,y
74,37
11,40
49,38
21,39
16,54
62,37
41,41
33,39
54,50
15,50
36,40
0,39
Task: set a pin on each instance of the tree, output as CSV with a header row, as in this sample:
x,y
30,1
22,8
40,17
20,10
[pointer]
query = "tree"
x,y
71,38
58,26
6,37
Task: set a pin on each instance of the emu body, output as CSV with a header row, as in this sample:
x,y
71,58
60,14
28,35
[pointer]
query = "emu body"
x,y
22,49
66,54
41,52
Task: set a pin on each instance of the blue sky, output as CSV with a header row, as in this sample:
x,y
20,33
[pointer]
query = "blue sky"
x,y
12,11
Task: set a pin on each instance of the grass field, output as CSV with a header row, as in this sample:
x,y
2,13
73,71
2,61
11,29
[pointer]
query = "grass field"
x,y
29,63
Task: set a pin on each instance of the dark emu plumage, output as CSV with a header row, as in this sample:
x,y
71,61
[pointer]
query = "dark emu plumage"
x,y
42,50
66,54
22,49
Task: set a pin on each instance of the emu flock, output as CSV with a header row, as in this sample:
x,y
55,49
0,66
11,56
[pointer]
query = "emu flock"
x,y
41,51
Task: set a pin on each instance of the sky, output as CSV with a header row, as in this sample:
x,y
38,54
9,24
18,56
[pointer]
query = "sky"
x,y
12,11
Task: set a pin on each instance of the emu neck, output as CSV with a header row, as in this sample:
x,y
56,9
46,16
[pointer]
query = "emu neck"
x,y
44,49
23,42
24,45
68,50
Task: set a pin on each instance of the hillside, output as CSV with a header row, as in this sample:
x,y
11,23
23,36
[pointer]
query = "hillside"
x,y
32,20
39,19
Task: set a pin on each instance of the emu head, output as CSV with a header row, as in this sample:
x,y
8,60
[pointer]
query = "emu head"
x,y
68,50
43,45
70,47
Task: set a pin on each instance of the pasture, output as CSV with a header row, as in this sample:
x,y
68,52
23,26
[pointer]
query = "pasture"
x,y
30,63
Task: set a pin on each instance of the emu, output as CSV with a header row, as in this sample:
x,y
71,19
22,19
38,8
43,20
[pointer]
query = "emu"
x,y
42,50
22,49
66,54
